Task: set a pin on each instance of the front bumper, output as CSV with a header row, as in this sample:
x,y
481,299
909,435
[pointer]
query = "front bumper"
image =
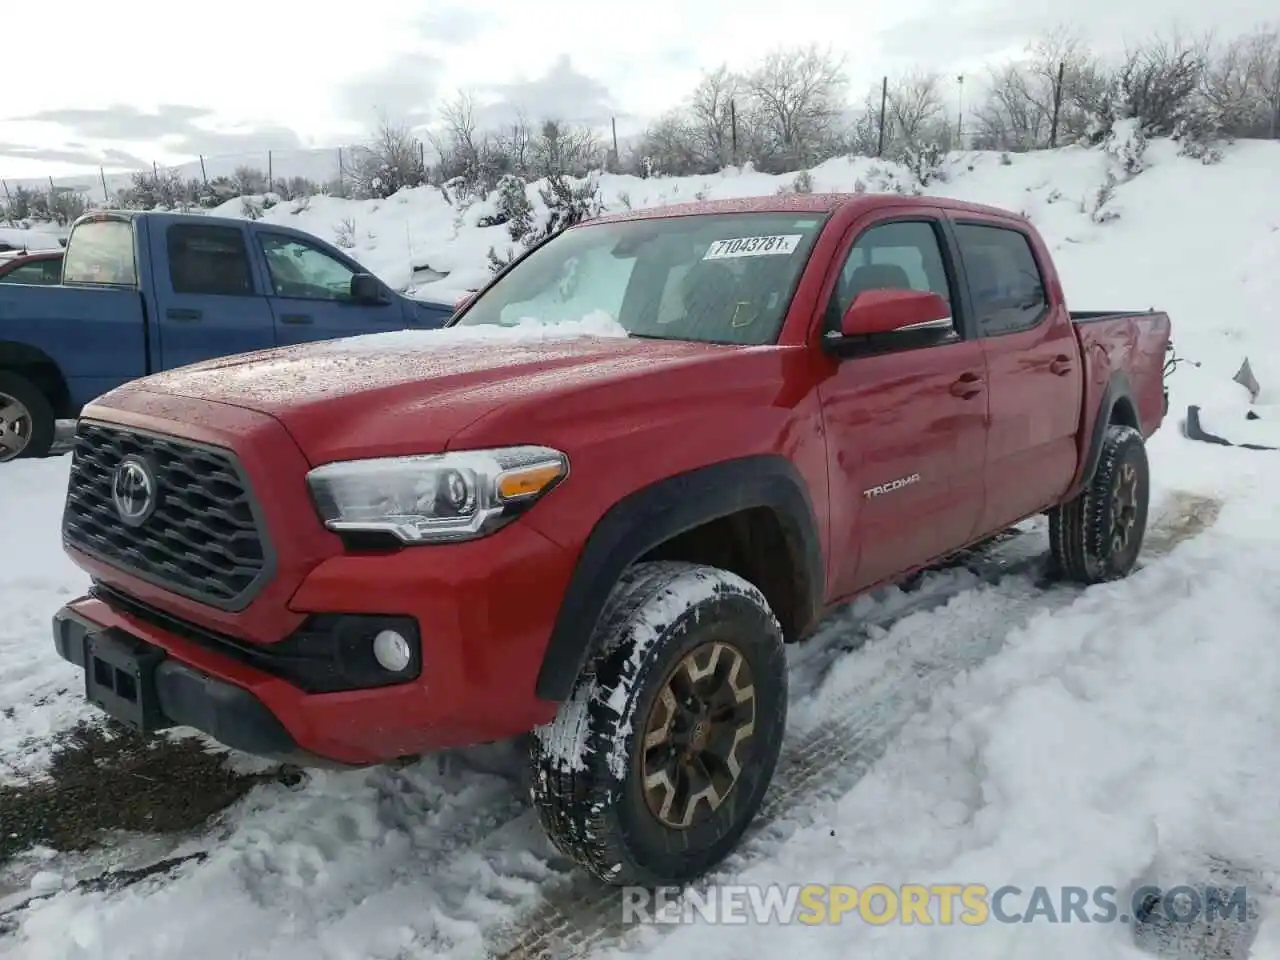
x,y
484,611
147,691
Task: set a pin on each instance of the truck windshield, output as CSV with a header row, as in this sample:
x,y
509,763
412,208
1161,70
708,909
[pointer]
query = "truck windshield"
x,y
722,278
101,251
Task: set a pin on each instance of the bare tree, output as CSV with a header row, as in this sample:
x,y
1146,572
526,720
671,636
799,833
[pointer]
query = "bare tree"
x,y
1059,74
914,109
1242,83
797,96
516,145
391,161
561,148
711,111
1158,81
669,146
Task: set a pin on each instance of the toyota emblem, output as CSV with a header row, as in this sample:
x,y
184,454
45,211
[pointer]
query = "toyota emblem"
x,y
133,491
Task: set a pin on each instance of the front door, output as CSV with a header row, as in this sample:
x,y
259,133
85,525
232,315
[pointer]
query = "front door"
x,y
906,424
312,294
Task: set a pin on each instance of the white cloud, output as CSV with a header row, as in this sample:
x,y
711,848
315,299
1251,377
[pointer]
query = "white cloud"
x,y
327,72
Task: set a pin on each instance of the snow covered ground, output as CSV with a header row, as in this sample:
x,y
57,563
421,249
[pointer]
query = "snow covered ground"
x,y
981,729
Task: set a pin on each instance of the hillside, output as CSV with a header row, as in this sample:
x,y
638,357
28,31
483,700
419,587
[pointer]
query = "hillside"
x,y
1157,240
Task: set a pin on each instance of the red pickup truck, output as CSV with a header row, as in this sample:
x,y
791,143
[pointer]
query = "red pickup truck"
x,y
355,551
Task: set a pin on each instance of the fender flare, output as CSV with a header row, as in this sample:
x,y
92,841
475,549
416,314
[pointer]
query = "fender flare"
x,y
19,357
1117,397
653,515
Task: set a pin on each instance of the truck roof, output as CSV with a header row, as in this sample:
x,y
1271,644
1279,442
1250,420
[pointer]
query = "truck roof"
x,y
796,203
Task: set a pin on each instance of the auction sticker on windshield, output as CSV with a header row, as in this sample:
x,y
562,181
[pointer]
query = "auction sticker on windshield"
x,y
753,247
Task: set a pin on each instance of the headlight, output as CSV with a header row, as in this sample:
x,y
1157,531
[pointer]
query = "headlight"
x,y
437,498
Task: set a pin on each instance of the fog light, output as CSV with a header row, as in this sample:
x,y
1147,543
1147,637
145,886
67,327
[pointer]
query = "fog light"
x,y
391,650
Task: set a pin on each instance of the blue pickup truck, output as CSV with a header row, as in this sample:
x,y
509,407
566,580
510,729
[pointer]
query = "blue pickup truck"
x,y
145,292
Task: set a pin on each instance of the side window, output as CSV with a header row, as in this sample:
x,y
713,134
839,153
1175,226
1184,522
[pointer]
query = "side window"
x,y
208,261
1004,279
905,255
101,252
53,271
36,272
300,270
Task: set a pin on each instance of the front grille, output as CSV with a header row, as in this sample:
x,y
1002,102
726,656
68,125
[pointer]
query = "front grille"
x,y
205,539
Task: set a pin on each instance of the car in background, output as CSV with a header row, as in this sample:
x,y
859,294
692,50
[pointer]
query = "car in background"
x,y
40,268
141,292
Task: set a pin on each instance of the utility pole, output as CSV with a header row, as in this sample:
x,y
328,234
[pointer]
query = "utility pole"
x,y
960,113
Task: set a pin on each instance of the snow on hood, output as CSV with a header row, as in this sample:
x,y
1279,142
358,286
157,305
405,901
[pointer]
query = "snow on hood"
x,y
528,330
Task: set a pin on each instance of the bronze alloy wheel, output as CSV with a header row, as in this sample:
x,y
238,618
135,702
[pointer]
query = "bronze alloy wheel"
x,y
658,762
693,748
1124,507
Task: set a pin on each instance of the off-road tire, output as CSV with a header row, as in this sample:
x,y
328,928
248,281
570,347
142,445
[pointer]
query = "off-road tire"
x,y
1083,532
41,438
587,765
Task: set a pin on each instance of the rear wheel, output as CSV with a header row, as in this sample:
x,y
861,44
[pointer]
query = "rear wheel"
x,y
26,418
1097,536
660,758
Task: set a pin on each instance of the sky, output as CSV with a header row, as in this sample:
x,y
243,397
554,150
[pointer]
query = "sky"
x,y
243,76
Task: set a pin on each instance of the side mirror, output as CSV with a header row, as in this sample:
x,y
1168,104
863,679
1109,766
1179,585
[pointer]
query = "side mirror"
x,y
895,310
366,289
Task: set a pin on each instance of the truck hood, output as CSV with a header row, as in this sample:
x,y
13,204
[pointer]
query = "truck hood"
x,y
411,392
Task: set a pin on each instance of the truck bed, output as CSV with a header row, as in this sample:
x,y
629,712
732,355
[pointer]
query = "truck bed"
x,y
1131,347
1090,316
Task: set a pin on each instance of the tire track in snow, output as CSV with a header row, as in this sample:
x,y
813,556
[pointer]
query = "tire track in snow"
x,y
856,723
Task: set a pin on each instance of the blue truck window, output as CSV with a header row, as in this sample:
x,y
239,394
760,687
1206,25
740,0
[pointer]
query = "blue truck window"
x,y
101,252
300,270
211,261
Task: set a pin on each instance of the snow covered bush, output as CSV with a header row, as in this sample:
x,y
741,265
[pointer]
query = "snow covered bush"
x,y
1126,146
566,204
512,207
1199,132
924,160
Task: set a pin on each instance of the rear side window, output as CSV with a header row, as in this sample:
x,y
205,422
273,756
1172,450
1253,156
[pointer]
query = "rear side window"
x,y
1004,279
101,252
208,261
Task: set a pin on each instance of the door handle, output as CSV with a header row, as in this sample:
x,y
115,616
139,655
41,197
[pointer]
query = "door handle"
x,y
176,313
1060,365
295,318
968,385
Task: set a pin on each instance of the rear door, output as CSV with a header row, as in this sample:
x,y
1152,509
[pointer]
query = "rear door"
x,y
906,421
311,293
207,300
1033,363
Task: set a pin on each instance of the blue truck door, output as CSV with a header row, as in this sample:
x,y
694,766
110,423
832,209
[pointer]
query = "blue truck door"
x,y
311,290
207,302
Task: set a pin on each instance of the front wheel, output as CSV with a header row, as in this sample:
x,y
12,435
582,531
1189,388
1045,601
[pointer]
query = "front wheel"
x,y
1097,536
659,760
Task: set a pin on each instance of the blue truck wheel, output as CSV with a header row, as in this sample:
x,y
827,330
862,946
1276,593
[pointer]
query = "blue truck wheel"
x,y
26,418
